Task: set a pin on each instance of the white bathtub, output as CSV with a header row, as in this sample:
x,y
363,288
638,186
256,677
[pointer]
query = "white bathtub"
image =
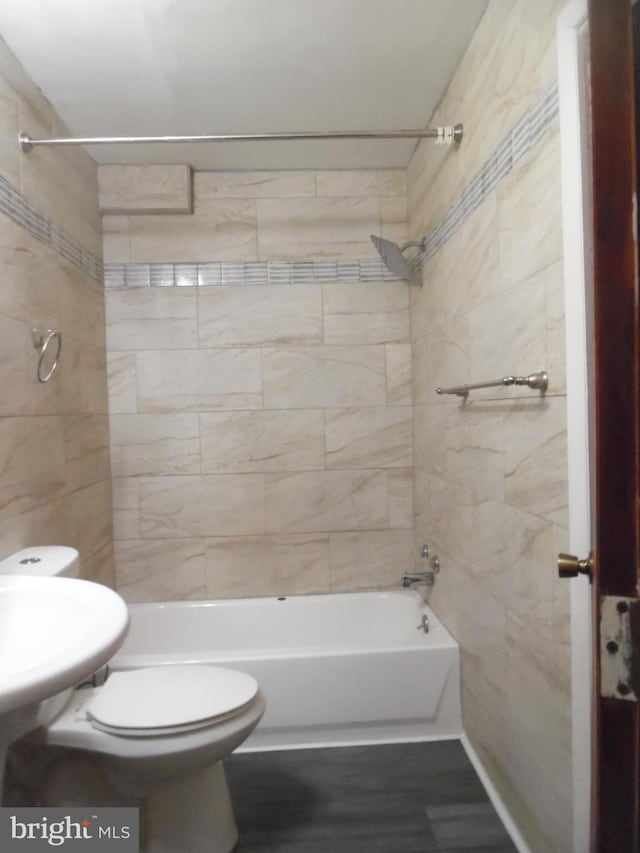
x,y
350,668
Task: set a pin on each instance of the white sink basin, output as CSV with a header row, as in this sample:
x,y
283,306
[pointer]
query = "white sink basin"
x,y
53,633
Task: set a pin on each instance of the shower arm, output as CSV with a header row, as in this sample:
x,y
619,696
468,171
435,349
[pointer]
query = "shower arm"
x,y
420,244
442,135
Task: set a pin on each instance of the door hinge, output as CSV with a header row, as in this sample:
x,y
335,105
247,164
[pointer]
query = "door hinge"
x,y
620,648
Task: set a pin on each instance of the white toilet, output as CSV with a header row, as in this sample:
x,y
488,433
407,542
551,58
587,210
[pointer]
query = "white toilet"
x,y
160,733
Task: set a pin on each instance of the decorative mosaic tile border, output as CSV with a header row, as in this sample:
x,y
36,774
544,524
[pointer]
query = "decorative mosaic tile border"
x,y
521,139
40,226
245,272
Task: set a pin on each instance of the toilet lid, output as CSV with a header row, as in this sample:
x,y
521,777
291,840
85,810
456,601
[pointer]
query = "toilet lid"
x,y
166,697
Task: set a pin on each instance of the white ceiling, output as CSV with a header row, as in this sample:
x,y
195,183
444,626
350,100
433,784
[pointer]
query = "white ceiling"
x,y
155,67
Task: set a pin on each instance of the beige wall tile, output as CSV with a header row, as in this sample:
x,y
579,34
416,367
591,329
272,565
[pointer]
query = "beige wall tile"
x,y
121,372
538,730
81,303
378,437
52,182
394,219
489,554
115,240
218,230
175,507
17,368
198,380
371,313
398,374
86,449
465,446
147,188
323,376
487,724
259,315
255,184
326,500
370,559
267,565
79,386
521,309
536,458
530,570
555,319
83,518
400,485
481,628
372,297
100,567
33,467
529,211
126,508
146,318
442,361
154,444
262,441
462,275
27,292
366,328
364,182
78,157
323,227
9,129
166,570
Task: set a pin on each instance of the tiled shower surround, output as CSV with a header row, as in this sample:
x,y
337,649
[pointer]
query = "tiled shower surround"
x,y
261,434
54,467
491,474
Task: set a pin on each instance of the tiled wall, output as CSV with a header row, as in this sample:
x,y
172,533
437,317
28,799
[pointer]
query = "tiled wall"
x,y
54,466
261,434
491,474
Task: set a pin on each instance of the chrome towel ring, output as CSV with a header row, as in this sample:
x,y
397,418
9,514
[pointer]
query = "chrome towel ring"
x,y
41,341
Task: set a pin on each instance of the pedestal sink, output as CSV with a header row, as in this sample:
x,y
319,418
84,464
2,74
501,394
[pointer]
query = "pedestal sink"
x,y
54,632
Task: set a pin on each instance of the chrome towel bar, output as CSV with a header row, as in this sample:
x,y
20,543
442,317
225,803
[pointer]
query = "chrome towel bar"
x,y
538,381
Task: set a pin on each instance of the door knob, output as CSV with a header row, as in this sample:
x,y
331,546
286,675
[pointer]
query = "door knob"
x,y
570,566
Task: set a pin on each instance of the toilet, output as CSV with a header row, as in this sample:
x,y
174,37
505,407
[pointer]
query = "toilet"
x,y
159,733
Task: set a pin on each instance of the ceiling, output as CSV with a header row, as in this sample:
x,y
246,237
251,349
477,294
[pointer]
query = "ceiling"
x,y
156,67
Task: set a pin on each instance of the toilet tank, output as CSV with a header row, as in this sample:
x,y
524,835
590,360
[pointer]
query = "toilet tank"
x,y
43,560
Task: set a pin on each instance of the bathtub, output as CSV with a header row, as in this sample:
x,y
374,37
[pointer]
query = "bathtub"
x,y
335,669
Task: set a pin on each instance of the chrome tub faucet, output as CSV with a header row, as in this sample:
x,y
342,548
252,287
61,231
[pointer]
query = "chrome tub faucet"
x,y
413,579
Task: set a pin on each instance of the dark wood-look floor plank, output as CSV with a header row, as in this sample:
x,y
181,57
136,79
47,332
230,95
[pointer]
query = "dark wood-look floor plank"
x,y
389,798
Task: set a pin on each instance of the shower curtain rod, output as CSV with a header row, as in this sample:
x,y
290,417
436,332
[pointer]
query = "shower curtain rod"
x,y
442,135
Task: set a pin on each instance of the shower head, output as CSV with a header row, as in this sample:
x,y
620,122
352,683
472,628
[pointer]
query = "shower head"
x,y
393,257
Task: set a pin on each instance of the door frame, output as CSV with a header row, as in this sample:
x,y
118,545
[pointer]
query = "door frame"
x,y
576,245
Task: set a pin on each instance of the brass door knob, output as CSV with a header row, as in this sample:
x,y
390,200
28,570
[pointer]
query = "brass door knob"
x,y
570,566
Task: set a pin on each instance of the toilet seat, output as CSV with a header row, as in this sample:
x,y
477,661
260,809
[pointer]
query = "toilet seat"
x,y
169,700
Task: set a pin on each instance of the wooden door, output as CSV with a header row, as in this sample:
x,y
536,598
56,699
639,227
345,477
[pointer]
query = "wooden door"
x,y
616,741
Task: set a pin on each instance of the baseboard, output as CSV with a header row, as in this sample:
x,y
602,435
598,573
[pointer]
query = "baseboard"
x,y
497,801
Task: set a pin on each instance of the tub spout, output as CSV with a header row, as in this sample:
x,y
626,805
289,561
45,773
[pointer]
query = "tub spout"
x,y
412,579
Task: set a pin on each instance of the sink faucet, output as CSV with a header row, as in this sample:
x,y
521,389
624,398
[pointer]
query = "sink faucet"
x,y
413,579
